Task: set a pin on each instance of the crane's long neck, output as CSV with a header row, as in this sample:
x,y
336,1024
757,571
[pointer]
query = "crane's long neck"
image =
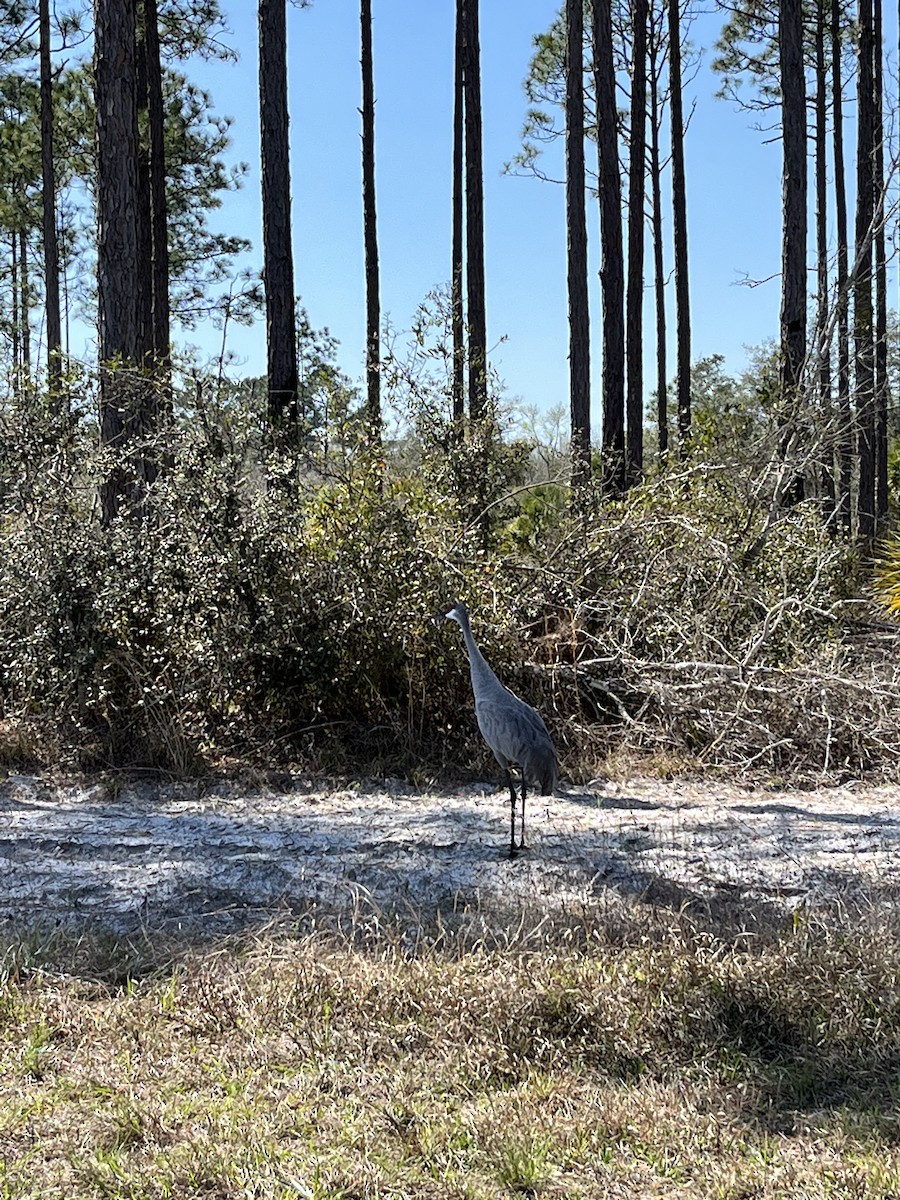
x,y
482,675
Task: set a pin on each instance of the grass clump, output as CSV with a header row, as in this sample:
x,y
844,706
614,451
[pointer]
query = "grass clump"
x,y
663,1062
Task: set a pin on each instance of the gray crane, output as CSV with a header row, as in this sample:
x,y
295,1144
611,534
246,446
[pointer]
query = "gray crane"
x,y
513,729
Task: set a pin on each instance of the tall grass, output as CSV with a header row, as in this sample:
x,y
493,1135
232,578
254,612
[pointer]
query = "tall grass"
x,y
647,1060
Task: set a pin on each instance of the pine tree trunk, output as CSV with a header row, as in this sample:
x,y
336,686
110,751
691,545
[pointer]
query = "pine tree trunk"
x,y
159,217
612,272
14,328
278,257
662,411
679,234
456,272
822,342
373,302
794,219
48,205
862,284
576,226
122,396
25,301
882,399
143,212
845,416
637,167
475,216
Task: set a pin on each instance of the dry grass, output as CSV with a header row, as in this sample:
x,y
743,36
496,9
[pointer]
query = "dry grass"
x,y
653,1060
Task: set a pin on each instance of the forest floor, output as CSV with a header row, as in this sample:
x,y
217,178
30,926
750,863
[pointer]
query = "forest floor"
x,y
220,857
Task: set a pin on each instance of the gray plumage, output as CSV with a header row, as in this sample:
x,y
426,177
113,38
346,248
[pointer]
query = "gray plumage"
x,y
513,729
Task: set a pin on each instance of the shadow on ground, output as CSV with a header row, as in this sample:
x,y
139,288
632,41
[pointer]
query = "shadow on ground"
x,y
216,858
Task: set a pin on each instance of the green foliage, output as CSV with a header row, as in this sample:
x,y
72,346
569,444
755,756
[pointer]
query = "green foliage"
x,y
747,50
468,461
887,570
541,512
196,142
732,417
188,27
327,399
544,84
237,612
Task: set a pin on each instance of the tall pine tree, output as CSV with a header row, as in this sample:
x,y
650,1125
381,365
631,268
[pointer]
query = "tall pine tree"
x,y
370,228
612,272
475,281
863,328
126,408
794,219
679,231
576,225
278,256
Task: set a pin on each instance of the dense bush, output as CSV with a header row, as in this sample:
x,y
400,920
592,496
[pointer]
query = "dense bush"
x,y
284,606
235,615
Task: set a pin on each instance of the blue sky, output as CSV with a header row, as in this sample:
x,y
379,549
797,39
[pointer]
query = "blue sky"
x,y
734,190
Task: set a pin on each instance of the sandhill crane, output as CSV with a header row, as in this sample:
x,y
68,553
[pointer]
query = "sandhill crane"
x,y
513,729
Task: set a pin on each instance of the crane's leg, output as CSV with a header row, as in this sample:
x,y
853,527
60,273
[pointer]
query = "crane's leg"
x,y
512,813
522,840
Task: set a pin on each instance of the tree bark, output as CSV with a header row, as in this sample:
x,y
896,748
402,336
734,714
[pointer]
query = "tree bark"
x,y
123,417
25,289
612,272
278,258
48,205
882,398
14,331
144,204
159,218
373,301
862,284
822,342
475,216
793,243
637,167
845,416
679,234
577,256
456,274
662,408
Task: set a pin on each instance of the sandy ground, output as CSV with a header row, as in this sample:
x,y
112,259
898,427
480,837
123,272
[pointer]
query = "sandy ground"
x,y
218,857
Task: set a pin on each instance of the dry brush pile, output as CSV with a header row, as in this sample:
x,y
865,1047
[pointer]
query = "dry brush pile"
x,y
689,630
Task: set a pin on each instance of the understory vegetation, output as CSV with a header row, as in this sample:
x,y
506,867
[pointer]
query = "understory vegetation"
x,y
657,1055
283,603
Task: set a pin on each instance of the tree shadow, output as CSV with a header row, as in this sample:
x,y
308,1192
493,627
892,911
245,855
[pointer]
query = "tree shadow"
x,y
214,861
592,800
796,810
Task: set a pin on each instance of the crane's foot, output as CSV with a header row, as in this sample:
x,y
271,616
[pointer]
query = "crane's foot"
x,y
513,853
